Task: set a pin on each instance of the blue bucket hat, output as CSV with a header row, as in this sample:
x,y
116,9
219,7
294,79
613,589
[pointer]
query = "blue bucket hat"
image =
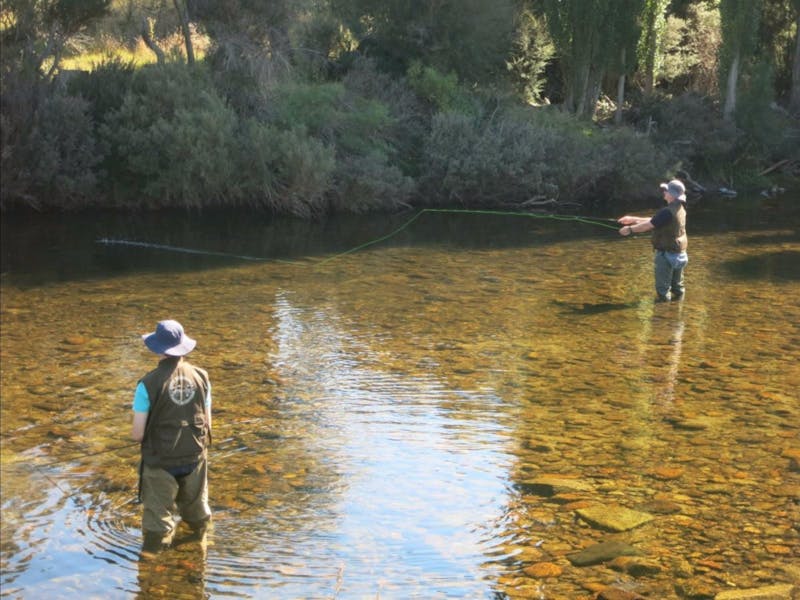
x,y
169,339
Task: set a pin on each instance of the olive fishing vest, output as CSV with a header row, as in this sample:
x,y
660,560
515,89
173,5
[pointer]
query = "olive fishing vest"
x,y
176,433
672,237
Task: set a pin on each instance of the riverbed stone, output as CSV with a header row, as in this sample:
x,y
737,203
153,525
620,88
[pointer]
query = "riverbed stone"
x,y
770,592
601,552
612,593
543,569
549,485
696,589
635,566
613,517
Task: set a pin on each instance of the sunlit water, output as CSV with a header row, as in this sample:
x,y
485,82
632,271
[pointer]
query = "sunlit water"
x,y
425,418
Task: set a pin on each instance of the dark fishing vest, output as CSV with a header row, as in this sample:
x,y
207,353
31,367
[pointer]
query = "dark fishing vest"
x,y
176,433
672,237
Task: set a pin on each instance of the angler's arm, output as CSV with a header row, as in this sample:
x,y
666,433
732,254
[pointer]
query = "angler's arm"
x,y
631,225
629,220
141,408
139,424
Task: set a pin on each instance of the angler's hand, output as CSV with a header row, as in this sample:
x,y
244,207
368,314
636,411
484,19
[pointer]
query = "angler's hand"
x,y
628,220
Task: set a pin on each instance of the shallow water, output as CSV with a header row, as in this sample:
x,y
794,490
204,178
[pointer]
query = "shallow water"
x,y
429,417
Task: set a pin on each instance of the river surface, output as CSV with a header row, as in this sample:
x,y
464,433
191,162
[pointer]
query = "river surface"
x,y
480,406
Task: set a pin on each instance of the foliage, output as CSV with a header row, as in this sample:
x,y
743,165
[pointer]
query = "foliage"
x,y
409,117
470,37
170,140
286,172
368,183
768,131
532,51
691,51
507,160
35,33
649,47
588,35
440,90
104,87
691,130
739,21
483,162
52,163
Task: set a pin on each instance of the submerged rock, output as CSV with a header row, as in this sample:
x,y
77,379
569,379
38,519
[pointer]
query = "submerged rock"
x,y
602,552
613,517
549,485
770,592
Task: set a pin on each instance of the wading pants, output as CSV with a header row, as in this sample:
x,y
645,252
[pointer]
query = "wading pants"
x,y
669,274
163,495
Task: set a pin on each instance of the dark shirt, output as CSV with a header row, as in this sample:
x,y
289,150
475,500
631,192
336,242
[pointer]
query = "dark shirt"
x,y
661,218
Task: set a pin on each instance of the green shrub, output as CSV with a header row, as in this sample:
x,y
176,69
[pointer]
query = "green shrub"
x,y
441,91
104,87
170,141
497,162
690,129
408,118
61,153
369,184
304,170
770,133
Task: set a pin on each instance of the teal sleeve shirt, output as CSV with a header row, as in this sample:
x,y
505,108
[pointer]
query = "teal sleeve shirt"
x,y
141,401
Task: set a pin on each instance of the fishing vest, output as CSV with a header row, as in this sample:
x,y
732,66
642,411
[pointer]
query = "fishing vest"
x,y
176,432
672,237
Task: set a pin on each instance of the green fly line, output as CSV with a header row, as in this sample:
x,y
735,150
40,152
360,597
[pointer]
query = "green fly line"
x,y
580,219
556,217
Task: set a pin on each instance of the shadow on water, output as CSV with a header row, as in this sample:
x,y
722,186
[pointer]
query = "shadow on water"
x,y
776,266
593,308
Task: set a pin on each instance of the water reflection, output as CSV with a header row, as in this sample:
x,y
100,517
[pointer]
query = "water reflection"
x,y
425,419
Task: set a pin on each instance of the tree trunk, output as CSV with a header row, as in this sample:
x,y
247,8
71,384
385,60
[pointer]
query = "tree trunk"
x,y
183,16
730,94
795,98
620,90
148,40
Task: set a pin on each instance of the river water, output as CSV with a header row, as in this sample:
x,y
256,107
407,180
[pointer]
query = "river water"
x,y
481,406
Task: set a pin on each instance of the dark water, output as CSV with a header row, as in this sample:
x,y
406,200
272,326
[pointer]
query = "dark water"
x,y
456,412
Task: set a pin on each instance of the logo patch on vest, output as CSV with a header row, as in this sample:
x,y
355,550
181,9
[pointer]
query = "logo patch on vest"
x,y
181,390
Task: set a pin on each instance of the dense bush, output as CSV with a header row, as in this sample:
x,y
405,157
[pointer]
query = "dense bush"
x,y
49,154
690,129
361,132
63,153
474,162
519,156
368,184
768,131
170,141
409,119
104,87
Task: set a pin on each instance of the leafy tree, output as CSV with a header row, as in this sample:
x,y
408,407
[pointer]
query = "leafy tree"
x,y
33,33
532,51
739,23
653,24
33,36
588,35
471,38
691,50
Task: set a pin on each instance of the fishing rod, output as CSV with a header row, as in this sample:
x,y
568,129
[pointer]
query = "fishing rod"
x,y
597,221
